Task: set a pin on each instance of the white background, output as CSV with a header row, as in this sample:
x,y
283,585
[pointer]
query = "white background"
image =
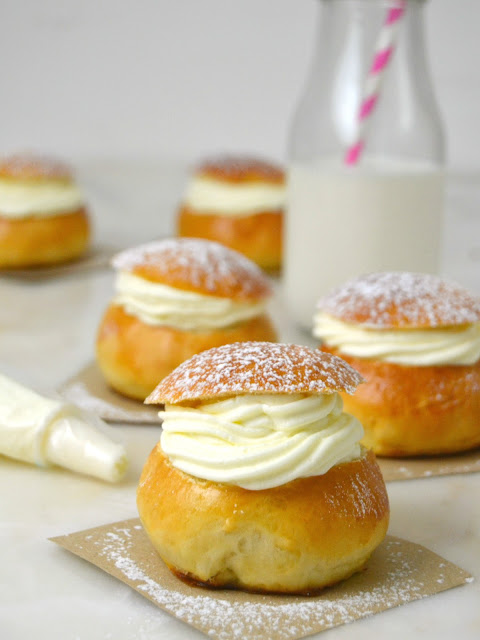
x,y
180,79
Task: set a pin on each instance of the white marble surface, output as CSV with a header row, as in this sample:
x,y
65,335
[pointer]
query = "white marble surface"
x,y
47,331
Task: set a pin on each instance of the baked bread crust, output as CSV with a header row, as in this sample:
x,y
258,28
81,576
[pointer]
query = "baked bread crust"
x,y
412,411
37,241
134,356
295,538
255,368
402,300
36,168
240,170
257,236
196,265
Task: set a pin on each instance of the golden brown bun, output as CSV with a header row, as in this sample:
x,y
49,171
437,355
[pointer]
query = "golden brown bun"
x,y
257,236
401,300
36,241
241,170
409,411
295,538
135,356
255,368
36,168
201,266
40,240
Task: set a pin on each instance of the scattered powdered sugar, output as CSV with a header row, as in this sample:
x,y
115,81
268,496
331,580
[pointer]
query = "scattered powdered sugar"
x,y
256,367
197,264
398,575
27,165
80,395
237,167
402,299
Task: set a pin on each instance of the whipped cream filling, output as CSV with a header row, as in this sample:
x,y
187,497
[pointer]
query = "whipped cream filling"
x,y
413,347
26,198
259,442
159,304
45,432
206,195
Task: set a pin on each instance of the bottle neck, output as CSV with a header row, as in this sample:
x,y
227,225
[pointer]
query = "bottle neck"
x,y
351,36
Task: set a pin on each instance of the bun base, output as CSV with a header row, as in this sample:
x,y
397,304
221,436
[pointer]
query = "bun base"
x,y
257,236
413,411
134,356
40,241
296,538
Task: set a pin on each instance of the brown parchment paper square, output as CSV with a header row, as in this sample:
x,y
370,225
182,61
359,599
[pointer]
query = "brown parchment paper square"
x,y
88,390
429,466
97,257
398,572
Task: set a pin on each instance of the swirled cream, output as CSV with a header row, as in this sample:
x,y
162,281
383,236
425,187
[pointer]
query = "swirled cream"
x,y
206,195
259,442
27,198
46,432
414,347
159,304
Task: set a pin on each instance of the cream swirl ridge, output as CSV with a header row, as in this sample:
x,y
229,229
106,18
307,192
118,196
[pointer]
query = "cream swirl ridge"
x,y
206,195
260,441
25,198
414,347
160,304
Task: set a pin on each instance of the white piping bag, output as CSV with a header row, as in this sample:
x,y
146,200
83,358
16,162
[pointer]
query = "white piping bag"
x,y
49,432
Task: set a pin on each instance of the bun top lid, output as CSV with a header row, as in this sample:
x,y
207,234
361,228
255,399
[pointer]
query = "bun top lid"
x,y
401,300
26,166
196,265
255,368
241,169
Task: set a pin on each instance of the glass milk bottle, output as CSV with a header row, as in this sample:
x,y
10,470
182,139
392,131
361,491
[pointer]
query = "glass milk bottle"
x,y
366,153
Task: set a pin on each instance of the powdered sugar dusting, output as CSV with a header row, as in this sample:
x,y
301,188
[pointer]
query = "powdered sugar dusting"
x,y
402,299
238,168
398,572
253,368
199,265
28,165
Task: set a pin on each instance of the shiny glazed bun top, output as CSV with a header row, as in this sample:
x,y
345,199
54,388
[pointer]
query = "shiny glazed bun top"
x,y
258,415
401,317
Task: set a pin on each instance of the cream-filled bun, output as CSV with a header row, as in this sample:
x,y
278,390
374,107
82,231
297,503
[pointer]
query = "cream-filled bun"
x,y
43,218
258,481
175,298
238,201
415,338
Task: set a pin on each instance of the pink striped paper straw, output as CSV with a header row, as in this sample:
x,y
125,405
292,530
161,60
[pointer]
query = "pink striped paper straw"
x,y
383,54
